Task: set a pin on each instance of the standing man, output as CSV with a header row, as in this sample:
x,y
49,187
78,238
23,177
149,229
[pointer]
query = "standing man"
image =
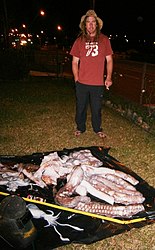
x,y
92,53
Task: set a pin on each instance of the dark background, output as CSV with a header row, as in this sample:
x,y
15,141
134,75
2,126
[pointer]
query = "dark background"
x,y
135,17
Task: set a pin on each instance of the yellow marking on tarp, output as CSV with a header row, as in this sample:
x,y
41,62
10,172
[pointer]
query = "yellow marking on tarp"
x,y
97,216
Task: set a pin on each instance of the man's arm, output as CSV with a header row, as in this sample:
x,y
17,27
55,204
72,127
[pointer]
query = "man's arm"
x,y
109,69
75,68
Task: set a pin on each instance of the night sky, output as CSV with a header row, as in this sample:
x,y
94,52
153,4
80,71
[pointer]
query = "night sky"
x,y
134,17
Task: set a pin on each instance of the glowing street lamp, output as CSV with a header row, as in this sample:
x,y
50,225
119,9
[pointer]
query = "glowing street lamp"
x,y
42,12
59,27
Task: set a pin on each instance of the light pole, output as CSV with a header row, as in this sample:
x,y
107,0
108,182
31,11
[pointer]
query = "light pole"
x,y
31,27
40,13
59,29
92,4
5,25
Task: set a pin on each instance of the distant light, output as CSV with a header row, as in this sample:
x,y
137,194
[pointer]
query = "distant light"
x,y
23,35
42,13
59,27
13,44
23,42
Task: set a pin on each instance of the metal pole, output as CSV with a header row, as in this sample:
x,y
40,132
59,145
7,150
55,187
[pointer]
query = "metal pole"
x,y
5,24
92,4
143,83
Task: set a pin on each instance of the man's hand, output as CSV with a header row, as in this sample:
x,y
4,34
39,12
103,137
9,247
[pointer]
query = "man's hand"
x,y
108,83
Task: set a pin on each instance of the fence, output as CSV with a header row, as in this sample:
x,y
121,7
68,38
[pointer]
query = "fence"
x,y
53,60
134,81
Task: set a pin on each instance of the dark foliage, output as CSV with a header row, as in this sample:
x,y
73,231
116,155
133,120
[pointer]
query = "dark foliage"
x,y
14,64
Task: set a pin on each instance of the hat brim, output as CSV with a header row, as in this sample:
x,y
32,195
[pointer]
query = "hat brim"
x,y
100,22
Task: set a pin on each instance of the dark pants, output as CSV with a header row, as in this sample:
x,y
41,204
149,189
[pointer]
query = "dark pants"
x,y
86,94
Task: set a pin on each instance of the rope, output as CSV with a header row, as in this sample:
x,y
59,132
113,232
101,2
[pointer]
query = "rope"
x,y
97,216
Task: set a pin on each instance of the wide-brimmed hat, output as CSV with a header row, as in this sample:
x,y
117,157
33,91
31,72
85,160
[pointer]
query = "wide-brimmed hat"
x,y
91,13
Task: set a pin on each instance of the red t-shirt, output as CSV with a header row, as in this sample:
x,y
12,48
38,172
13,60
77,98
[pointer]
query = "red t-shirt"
x,y
92,59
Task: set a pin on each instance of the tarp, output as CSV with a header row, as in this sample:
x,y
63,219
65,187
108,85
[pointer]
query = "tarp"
x,y
69,225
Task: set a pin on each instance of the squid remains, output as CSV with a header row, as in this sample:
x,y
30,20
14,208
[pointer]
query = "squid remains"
x,y
89,185
130,199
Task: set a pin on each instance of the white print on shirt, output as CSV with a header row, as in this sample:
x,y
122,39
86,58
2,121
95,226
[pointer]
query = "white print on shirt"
x,y
92,48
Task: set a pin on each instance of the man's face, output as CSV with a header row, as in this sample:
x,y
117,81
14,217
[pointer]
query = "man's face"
x,y
91,25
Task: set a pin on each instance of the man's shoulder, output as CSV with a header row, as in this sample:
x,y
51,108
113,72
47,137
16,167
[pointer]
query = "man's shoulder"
x,y
79,39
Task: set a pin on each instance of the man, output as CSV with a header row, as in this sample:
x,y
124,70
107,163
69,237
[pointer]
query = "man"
x,y
91,53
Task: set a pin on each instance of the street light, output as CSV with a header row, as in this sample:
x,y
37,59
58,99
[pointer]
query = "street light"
x,y
59,28
42,12
33,26
59,33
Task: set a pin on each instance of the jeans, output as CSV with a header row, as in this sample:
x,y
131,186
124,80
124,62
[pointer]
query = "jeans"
x,y
85,95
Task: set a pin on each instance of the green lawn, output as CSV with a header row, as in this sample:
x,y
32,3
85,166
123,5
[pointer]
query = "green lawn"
x,y
37,115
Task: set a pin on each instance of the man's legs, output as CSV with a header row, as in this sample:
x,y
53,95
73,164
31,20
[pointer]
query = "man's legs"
x,y
96,97
82,100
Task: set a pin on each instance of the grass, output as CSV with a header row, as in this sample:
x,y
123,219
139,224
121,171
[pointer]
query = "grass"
x,y
37,115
